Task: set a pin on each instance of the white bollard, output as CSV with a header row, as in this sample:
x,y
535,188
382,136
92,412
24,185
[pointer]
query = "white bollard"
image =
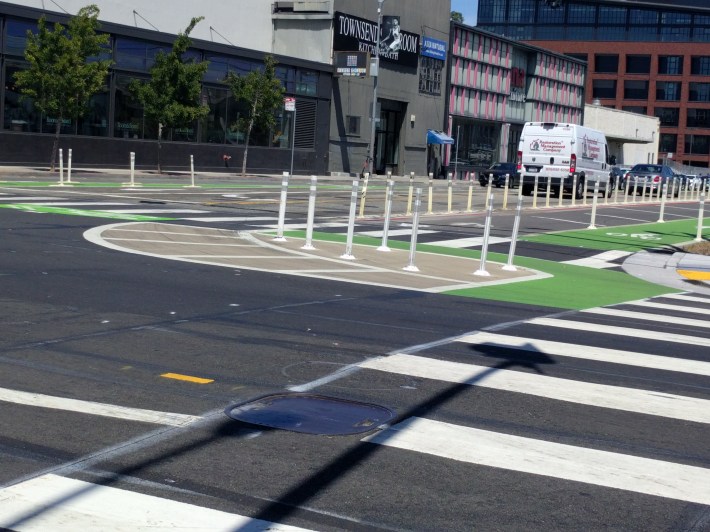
x,y
415,229
348,255
69,166
431,194
486,234
61,166
132,182
282,208
699,234
363,195
311,214
192,174
514,237
664,192
450,192
595,199
388,214
410,193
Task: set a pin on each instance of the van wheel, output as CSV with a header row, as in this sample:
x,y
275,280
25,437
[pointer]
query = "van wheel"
x,y
527,190
581,189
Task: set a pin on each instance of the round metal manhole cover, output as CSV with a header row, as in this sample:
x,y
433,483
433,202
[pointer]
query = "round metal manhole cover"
x,y
311,414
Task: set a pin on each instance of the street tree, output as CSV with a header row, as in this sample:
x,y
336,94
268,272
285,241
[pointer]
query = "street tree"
x,y
171,98
457,16
262,93
64,69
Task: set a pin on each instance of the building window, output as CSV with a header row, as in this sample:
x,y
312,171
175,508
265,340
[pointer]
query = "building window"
x,y
700,65
352,123
668,91
604,63
636,89
581,14
668,142
604,88
697,144
643,33
668,116
670,64
19,115
675,34
674,17
492,10
634,109
612,15
701,34
638,64
699,92
522,11
137,55
643,16
430,71
698,118
16,35
129,122
550,15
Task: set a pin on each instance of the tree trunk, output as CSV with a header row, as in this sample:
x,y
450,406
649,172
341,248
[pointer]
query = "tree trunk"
x,y
55,144
249,128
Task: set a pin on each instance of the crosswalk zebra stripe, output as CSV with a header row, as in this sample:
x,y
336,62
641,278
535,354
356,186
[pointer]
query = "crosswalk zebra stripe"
x,y
81,203
155,211
647,402
658,318
550,459
97,409
622,331
52,502
664,306
686,297
598,354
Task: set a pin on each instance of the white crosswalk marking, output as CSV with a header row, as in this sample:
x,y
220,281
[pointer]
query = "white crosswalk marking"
x,y
592,466
51,502
600,354
630,399
658,318
623,331
686,297
663,306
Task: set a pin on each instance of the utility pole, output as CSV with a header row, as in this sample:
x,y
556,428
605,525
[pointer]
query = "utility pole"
x,y
373,116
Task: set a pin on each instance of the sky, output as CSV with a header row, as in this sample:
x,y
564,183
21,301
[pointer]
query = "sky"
x,y
468,8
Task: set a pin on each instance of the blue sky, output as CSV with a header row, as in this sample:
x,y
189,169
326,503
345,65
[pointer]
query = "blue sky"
x,y
468,8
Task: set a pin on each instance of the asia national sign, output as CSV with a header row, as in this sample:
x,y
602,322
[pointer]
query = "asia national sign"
x,y
396,46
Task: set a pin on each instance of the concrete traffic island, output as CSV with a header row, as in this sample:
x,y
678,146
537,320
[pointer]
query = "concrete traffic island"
x,y
694,267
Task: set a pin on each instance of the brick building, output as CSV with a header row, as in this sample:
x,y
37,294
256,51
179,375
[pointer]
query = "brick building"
x,y
650,57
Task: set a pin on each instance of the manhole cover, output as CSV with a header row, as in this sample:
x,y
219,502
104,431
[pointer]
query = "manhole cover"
x,y
311,414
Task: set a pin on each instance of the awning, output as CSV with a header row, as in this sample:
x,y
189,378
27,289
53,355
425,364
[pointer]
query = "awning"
x,y
438,137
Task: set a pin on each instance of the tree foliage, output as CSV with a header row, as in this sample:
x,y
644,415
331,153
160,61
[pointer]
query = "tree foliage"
x,y
64,71
457,16
262,93
171,98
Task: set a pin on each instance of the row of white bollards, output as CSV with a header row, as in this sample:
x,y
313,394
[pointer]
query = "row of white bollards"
x,y
415,212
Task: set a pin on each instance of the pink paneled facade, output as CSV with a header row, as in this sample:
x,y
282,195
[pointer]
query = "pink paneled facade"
x,y
497,84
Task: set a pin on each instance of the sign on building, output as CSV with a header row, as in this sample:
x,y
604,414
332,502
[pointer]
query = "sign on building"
x,y
352,63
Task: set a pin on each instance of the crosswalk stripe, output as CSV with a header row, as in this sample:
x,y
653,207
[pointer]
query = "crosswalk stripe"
x,y
658,318
686,297
647,402
81,203
232,219
30,198
622,331
550,459
599,354
97,409
459,243
392,232
52,502
664,306
155,211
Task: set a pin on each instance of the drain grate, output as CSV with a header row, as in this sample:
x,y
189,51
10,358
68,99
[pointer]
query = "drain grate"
x,y
311,414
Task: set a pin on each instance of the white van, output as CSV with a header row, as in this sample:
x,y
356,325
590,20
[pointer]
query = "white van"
x,y
561,152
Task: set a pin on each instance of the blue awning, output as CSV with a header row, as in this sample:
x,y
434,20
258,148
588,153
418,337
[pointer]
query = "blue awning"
x,y
438,137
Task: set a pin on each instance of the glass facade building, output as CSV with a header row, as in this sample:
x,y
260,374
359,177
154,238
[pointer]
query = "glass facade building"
x,y
662,69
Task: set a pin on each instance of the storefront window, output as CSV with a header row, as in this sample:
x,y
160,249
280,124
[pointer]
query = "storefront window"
x,y
20,114
128,121
137,55
16,35
306,82
430,74
220,65
95,121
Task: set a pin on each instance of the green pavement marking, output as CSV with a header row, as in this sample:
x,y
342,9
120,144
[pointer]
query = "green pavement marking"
x,y
28,207
624,237
176,186
570,287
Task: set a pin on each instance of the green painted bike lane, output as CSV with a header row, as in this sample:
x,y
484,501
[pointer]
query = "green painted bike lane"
x,y
570,286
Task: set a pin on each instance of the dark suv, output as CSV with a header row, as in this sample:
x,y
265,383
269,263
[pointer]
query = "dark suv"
x,y
499,171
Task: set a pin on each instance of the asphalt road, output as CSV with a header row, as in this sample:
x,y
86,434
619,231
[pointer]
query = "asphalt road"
x,y
607,428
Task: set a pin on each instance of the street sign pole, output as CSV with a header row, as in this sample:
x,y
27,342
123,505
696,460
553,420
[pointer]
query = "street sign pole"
x,y
290,105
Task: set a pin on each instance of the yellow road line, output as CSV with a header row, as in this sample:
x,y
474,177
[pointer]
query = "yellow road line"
x,y
188,378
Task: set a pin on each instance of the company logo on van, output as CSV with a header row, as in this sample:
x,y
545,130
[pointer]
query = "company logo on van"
x,y
547,146
590,148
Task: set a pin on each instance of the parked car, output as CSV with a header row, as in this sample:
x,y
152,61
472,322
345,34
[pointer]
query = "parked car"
x,y
499,171
618,175
653,176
